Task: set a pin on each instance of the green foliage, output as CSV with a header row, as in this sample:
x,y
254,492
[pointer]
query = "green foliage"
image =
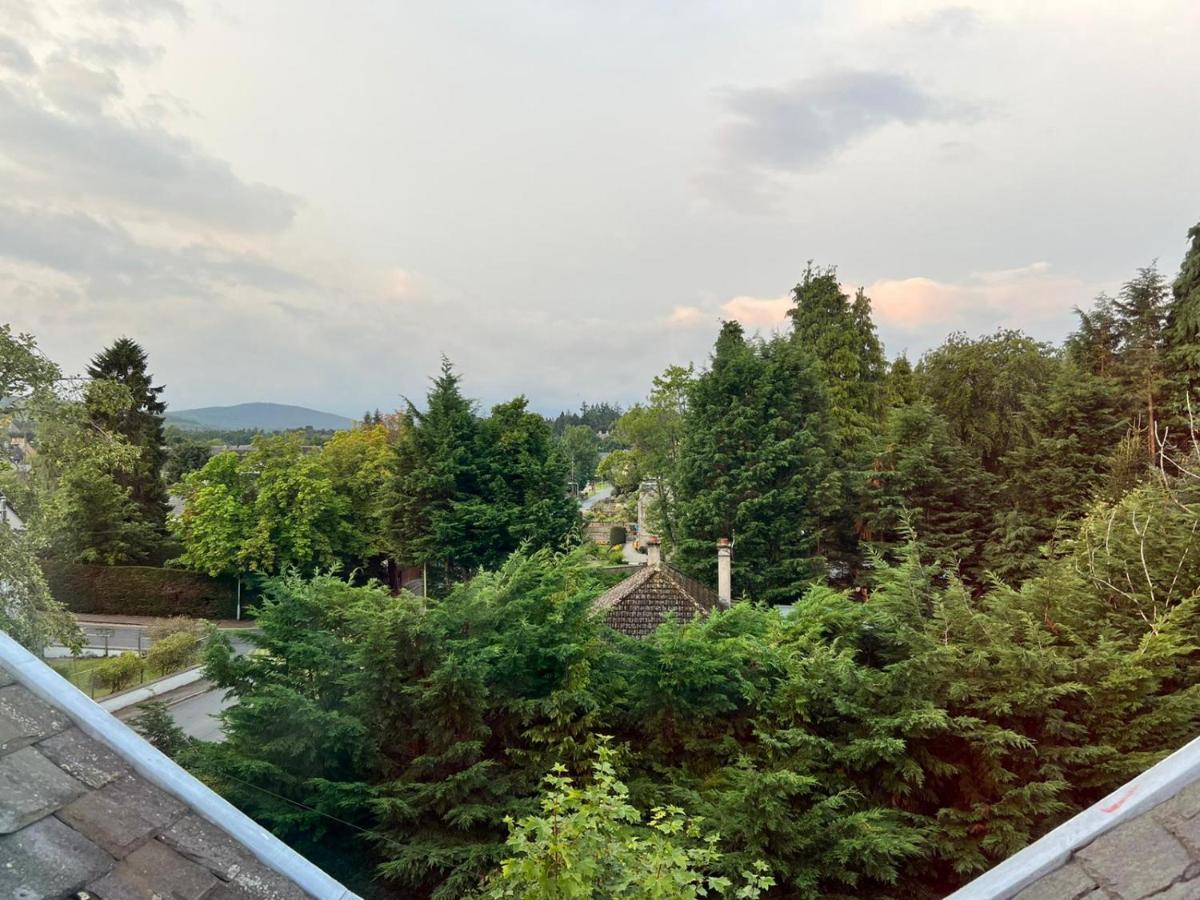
x,y
620,468
982,387
28,611
139,590
924,479
119,672
273,510
184,457
581,447
755,466
78,508
589,842
470,491
158,727
653,433
174,652
139,422
1183,331
24,370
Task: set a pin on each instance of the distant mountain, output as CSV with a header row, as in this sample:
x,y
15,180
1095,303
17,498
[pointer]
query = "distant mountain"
x,y
263,416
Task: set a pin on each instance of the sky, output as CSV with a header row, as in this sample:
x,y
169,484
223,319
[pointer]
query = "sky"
x,y
308,202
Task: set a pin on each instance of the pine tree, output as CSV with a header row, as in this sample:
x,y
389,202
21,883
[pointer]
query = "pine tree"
x,y
140,422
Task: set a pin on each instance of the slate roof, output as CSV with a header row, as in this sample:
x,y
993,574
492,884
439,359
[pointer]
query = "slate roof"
x,y
1141,841
78,820
642,602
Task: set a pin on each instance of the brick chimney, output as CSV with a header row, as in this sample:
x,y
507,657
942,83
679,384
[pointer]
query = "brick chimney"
x,y
724,573
653,552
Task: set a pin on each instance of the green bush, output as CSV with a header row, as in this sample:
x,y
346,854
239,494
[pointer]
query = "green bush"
x,y
157,726
118,672
172,653
139,591
616,535
177,625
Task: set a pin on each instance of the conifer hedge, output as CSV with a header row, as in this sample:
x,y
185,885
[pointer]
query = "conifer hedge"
x,y
140,591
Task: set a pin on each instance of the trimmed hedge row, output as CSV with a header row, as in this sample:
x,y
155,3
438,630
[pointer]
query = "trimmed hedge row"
x,y
140,591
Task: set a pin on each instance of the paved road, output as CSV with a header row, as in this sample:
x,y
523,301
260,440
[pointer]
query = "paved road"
x,y
196,716
603,494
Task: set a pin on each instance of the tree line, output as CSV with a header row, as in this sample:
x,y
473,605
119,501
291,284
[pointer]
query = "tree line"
x,y
811,451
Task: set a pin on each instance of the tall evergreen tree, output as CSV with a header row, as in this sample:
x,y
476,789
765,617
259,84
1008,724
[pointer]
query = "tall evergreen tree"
x,y
755,466
839,336
1183,334
525,481
438,518
1141,311
1051,480
140,423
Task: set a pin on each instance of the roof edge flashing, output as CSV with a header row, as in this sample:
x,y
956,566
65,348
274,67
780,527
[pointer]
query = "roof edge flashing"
x,y
1158,783
164,773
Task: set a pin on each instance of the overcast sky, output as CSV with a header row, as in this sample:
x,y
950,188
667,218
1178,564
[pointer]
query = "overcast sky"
x,y
310,202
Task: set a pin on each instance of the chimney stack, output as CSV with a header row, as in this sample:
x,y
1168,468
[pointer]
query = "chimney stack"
x,y
724,573
653,553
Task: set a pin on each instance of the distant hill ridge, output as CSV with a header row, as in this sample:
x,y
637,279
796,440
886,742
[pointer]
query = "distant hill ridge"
x,y
263,416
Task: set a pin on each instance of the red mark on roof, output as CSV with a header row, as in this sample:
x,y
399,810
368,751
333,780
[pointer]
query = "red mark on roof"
x,y
1112,809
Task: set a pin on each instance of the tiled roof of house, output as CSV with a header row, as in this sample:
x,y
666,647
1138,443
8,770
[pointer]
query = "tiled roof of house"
x,y
1141,841
642,602
82,817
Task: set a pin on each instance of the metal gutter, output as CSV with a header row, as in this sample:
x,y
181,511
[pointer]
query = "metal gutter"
x,y
1158,783
42,681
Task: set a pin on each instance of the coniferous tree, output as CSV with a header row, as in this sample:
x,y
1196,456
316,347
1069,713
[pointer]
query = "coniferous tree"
x,y
439,520
923,480
755,466
839,335
525,481
1141,310
140,423
1051,480
1183,335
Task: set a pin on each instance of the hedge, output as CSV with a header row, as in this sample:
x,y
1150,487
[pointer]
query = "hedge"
x,y
140,591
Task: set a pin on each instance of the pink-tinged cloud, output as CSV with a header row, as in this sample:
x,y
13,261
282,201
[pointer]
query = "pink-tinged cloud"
x,y
1025,298
758,312
686,315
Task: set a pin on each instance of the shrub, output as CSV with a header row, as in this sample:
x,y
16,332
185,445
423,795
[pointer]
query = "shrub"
x,y
174,652
176,625
156,726
118,672
616,535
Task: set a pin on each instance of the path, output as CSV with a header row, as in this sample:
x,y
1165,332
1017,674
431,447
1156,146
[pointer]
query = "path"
x,y
603,494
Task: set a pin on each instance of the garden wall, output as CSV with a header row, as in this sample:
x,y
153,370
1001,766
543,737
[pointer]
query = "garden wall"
x,y
140,591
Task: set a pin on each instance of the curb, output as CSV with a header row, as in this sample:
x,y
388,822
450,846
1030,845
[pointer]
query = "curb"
x,y
152,689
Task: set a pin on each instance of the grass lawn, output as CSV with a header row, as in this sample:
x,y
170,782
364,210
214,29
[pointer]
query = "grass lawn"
x,y
79,673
